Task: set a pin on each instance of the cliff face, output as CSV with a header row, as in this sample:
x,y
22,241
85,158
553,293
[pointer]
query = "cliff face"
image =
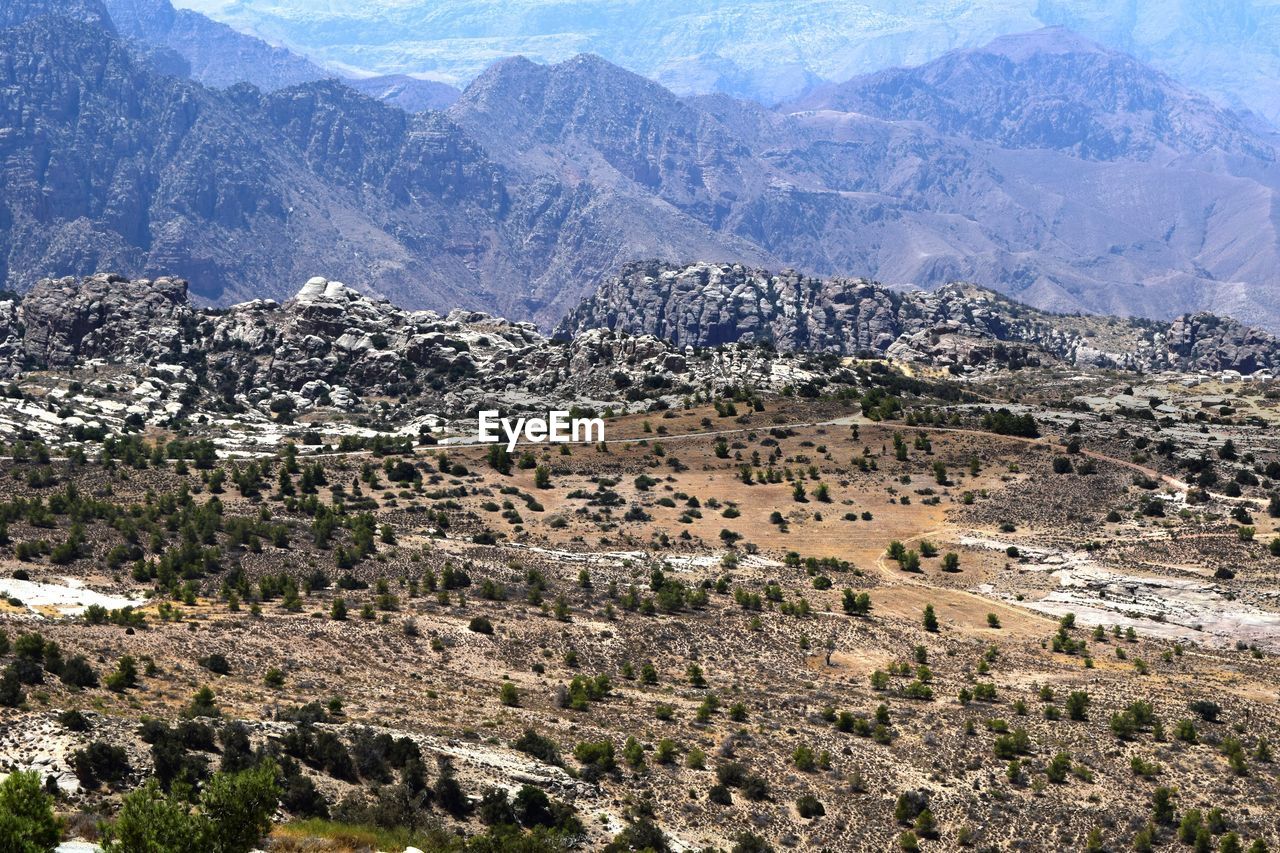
x,y
705,305
67,322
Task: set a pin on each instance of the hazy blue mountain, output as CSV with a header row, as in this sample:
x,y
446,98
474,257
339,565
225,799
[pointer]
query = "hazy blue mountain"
x,y
187,44
408,93
754,48
1226,48
1047,89
765,49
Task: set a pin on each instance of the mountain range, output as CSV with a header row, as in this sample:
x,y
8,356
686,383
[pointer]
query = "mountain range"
x,y
1042,165
764,49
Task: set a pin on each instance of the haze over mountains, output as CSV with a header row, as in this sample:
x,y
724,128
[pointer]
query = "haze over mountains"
x,y
190,44
1042,165
765,49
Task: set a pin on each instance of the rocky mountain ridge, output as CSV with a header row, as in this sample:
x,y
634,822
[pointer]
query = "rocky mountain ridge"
x,y
1048,89
332,347
957,325
653,336
214,53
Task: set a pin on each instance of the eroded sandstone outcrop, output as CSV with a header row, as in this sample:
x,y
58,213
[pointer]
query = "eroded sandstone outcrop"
x,y
704,305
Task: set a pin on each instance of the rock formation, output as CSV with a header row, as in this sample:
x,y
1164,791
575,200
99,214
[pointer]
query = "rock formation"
x,y
333,346
706,305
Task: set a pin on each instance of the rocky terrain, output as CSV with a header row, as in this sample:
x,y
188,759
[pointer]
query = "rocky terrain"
x,y
705,305
912,627
809,597
146,352
344,362
535,183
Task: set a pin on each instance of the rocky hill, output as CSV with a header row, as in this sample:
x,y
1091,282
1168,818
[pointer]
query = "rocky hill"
x,y
712,304
655,334
334,348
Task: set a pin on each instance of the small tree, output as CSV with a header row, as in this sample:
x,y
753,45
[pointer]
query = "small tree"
x,y
239,806
1058,767
203,704
125,676
926,826
235,813
1078,705
633,752
11,694
930,619
27,824
1162,808
804,759
808,807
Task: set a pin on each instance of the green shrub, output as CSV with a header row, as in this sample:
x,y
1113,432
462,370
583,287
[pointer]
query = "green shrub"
x,y
27,824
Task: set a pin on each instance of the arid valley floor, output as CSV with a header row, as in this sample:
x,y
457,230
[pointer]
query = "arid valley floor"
x,y
711,627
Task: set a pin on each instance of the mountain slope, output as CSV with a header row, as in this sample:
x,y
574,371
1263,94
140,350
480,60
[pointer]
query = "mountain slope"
x,y
216,54
1047,89
238,188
